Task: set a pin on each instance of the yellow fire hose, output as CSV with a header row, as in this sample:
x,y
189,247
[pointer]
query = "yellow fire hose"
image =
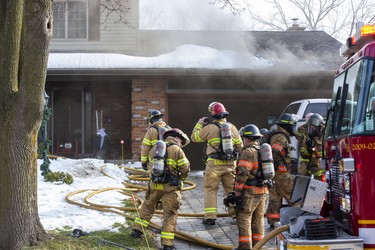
x,y
131,188
114,209
269,236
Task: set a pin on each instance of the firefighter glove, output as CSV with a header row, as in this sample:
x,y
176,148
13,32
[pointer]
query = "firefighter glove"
x,y
204,121
310,144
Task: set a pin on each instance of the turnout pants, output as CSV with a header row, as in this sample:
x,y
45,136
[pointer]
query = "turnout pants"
x,y
216,172
250,220
171,203
282,189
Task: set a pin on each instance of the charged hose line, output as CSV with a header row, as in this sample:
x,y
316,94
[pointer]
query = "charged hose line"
x,y
269,236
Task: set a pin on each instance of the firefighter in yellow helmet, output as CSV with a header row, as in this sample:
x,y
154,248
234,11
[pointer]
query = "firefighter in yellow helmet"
x,y
311,147
169,167
154,132
220,156
279,139
252,188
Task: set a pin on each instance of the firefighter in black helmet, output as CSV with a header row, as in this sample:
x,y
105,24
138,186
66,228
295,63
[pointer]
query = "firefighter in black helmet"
x,y
249,186
264,132
154,132
279,139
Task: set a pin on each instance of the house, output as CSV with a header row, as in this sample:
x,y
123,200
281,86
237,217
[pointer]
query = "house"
x,y
301,65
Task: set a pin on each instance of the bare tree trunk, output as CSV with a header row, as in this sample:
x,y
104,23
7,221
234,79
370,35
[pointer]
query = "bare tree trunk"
x,y
25,28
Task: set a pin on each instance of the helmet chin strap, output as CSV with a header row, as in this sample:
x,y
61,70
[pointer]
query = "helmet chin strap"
x,y
178,140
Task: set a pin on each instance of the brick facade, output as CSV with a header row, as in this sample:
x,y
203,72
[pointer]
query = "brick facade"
x,y
114,101
147,94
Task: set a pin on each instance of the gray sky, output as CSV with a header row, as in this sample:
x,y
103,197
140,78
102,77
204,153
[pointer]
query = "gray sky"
x,y
201,15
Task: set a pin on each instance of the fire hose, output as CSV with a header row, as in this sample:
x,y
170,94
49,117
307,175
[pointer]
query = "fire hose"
x,y
129,190
269,236
115,209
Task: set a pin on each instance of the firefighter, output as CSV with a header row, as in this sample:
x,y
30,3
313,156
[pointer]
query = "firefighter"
x,y
220,161
264,132
301,136
311,147
249,185
154,132
165,187
279,139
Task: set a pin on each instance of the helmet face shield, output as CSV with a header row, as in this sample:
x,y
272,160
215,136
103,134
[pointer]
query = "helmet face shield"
x,y
314,130
314,121
315,125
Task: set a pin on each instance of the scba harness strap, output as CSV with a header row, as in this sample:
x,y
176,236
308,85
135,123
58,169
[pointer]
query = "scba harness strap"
x,y
278,163
219,154
258,180
167,176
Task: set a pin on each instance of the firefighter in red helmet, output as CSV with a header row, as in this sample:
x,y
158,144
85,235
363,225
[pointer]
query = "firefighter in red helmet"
x,y
169,167
223,143
154,132
279,139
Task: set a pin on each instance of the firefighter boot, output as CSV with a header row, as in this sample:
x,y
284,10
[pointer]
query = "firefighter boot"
x,y
136,233
168,247
209,222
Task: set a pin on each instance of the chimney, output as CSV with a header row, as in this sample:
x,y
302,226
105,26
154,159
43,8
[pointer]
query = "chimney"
x,y
295,26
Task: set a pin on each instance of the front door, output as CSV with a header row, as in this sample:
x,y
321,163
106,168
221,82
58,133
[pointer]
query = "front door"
x,y
67,121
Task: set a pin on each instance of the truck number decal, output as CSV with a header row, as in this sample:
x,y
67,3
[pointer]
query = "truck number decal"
x,y
364,146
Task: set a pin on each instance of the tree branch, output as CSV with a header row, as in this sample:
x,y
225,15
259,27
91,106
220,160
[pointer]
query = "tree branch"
x,y
234,7
115,10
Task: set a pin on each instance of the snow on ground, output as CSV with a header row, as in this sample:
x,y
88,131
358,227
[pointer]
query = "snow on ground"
x,y
56,212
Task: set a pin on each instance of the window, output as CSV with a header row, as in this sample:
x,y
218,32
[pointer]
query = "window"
x,y
354,80
70,19
293,108
366,113
356,115
320,108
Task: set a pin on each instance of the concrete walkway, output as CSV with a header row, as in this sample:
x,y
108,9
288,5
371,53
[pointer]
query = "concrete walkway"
x,y
225,231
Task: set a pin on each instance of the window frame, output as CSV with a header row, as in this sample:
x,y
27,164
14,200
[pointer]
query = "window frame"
x,y
66,21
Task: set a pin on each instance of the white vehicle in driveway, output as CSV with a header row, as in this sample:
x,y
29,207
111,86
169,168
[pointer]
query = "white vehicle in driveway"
x,y
302,108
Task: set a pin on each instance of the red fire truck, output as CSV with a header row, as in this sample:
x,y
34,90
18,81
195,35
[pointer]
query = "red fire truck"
x,y
350,139
349,155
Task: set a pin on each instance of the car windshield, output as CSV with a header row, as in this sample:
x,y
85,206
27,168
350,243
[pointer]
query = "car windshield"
x,y
320,108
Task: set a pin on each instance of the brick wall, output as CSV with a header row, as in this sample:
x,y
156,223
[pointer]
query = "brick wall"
x,y
114,101
147,94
